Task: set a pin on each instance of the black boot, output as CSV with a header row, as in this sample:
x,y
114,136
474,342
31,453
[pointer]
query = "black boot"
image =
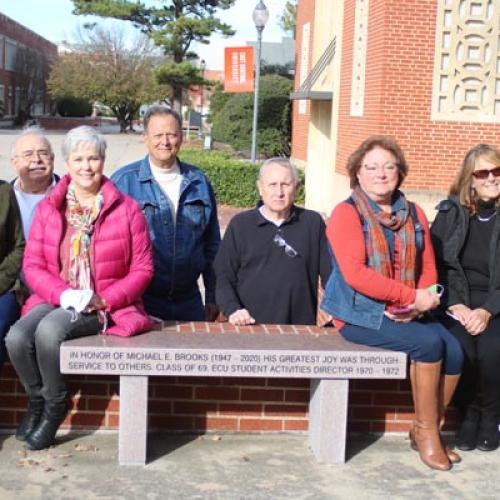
x,y
30,419
466,439
44,434
488,438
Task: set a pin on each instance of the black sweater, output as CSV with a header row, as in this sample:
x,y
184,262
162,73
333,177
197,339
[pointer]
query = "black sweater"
x,y
256,273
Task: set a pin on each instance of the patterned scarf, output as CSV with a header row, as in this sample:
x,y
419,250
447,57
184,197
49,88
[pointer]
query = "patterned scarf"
x,y
377,246
81,219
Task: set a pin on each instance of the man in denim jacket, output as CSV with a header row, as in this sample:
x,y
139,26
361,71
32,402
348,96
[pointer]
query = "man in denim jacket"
x,y
179,204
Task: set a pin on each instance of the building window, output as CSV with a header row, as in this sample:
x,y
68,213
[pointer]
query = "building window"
x,y
3,101
9,108
10,54
1,51
466,82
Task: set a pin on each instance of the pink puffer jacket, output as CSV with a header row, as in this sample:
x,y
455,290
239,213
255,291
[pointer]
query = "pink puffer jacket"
x,y
121,249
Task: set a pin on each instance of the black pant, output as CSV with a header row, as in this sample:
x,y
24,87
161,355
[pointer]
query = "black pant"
x,y
481,369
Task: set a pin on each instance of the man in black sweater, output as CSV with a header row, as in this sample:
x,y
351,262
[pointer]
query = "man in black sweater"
x,y
268,264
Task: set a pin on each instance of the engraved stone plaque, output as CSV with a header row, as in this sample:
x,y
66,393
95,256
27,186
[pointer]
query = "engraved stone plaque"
x,y
285,356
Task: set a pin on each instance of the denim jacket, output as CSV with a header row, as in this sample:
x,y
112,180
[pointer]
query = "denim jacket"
x,y
186,249
343,302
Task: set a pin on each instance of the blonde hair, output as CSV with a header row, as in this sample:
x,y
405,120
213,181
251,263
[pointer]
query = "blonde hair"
x,y
462,185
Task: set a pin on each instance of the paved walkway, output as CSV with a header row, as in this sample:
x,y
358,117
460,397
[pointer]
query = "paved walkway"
x,y
239,466
122,149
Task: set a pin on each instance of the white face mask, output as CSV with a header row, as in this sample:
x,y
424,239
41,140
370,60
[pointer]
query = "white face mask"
x,y
77,300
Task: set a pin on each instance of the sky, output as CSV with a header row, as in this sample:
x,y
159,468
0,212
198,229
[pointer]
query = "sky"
x,y
53,20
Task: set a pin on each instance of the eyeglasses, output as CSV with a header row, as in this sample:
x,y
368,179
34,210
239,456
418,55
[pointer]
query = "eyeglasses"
x,y
484,173
42,153
289,250
386,167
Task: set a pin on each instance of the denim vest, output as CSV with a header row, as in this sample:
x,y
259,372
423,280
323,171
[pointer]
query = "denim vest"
x,y
343,302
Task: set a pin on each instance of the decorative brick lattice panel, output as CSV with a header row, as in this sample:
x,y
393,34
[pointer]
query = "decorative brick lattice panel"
x,y
467,61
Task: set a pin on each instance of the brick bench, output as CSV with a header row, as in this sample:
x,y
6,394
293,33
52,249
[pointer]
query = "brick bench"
x,y
221,349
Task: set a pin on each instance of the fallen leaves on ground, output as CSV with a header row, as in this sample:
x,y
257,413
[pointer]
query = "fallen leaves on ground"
x,y
86,447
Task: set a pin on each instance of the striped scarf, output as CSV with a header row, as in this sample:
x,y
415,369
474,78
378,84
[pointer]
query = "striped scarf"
x,y
82,220
377,246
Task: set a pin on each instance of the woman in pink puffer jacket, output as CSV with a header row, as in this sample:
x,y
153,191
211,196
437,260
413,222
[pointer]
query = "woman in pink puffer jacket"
x,y
87,262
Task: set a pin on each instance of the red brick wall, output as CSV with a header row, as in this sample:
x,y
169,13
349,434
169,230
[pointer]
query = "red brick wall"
x,y
221,404
62,123
15,31
398,96
300,123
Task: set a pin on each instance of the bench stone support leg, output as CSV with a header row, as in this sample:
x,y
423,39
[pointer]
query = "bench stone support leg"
x,y
133,420
328,419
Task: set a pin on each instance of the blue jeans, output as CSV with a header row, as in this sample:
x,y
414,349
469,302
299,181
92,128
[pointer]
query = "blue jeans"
x,y
186,309
424,340
9,312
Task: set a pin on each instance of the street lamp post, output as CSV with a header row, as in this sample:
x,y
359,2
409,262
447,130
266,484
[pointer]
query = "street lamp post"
x,y
260,17
202,69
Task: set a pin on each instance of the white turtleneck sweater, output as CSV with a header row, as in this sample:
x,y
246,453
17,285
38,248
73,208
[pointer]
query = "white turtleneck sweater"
x,y
169,180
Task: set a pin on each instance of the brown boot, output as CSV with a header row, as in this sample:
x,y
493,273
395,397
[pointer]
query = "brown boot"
x,y
426,430
447,389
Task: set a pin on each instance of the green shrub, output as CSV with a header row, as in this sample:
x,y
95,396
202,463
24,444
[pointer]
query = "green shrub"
x,y
233,180
74,107
232,123
270,142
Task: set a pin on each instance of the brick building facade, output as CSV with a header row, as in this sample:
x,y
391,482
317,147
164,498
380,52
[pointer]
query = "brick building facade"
x,y
14,38
427,74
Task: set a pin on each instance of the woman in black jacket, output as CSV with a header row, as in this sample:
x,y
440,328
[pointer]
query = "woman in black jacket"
x,y
466,237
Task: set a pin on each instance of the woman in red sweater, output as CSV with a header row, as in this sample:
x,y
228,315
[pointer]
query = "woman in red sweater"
x,y
384,284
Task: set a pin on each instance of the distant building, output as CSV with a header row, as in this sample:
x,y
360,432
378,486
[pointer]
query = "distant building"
x,y
199,95
282,53
13,38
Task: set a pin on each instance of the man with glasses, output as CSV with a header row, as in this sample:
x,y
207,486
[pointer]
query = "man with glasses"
x,y
271,257
33,160
179,204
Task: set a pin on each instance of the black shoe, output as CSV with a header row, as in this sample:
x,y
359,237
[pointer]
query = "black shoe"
x,y
44,435
31,418
488,437
466,438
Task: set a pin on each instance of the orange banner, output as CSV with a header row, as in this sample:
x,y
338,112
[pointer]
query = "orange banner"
x,y
238,69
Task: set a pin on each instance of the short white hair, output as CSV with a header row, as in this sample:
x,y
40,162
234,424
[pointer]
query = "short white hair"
x,y
282,161
30,130
83,135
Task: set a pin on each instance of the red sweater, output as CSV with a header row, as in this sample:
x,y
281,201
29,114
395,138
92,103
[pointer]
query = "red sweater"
x,y
345,235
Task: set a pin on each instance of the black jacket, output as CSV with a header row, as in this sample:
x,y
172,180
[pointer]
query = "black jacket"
x,y
449,233
11,238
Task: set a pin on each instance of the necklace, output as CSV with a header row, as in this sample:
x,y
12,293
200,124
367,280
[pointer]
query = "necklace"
x,y
486,219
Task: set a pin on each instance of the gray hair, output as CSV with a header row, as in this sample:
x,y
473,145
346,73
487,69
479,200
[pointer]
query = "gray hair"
x,y
160,109
83,135
30,130
284,162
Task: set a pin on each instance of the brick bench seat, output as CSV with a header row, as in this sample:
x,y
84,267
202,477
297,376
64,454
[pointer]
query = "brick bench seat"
x,y
221,349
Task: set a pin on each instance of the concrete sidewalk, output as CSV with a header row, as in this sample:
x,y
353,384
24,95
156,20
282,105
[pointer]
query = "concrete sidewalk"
x,y
237,467
122,149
